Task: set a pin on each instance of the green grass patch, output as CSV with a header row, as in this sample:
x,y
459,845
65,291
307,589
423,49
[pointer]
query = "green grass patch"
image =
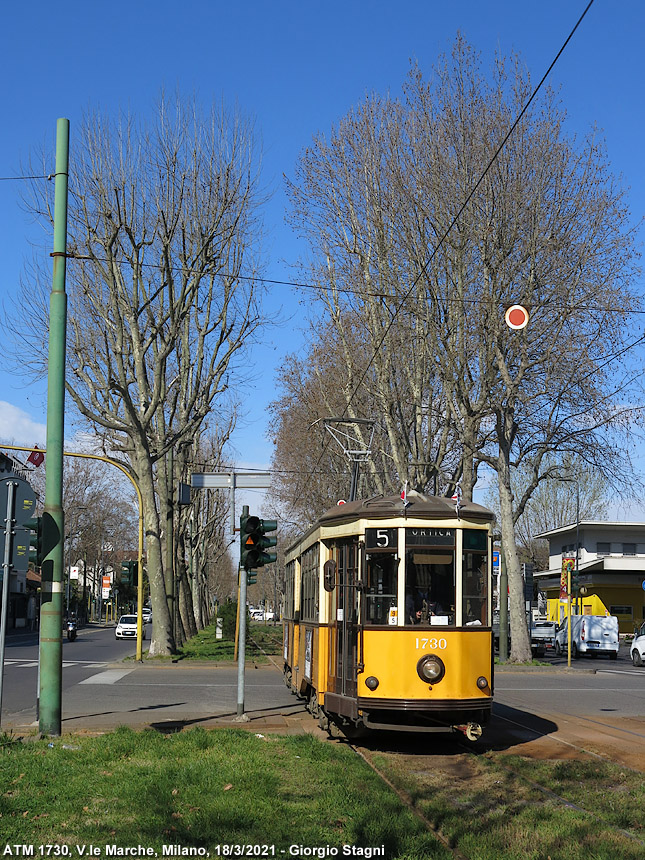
x,y
491,808
201,789
261,640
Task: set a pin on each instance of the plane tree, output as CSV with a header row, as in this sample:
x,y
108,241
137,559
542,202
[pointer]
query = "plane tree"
x,y
163,233
426,231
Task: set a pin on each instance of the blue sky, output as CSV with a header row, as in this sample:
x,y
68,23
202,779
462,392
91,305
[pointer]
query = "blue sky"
x,y
296,68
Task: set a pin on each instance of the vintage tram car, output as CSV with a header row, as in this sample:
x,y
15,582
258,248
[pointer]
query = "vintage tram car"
x,y
387,615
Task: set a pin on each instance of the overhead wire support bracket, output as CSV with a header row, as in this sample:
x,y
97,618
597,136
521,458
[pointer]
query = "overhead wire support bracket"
x,y
353,447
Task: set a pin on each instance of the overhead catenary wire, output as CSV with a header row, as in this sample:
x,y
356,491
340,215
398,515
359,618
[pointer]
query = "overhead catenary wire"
x,y
303,285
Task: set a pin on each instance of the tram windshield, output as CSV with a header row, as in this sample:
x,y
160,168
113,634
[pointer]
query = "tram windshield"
x,y
430,587
475,602
475,578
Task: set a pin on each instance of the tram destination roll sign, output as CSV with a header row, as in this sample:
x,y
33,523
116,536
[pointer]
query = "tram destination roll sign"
x,y
429,537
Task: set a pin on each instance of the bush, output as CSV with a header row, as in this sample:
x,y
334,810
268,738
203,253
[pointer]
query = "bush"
x,y
228,613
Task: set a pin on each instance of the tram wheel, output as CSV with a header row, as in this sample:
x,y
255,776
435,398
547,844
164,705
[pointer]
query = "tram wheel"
x,y
312,705
323,721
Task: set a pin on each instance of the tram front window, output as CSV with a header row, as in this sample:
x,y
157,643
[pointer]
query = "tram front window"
x,y
380,589
475,602
429,587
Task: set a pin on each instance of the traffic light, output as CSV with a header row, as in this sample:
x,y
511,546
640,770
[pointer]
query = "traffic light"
x,y
36,553
575,581
129,570
253,541
251,577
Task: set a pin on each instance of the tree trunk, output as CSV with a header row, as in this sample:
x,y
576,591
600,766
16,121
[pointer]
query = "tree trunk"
x,y
520,643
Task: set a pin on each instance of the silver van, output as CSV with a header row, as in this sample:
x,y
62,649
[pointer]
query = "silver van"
x,y
590,634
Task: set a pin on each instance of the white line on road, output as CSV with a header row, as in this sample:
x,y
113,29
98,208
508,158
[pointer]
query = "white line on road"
x,y
111,676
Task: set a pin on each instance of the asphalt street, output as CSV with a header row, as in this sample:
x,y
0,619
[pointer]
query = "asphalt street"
x,y
104,687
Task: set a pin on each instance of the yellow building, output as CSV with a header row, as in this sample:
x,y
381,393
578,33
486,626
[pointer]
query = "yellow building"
x,y
610,571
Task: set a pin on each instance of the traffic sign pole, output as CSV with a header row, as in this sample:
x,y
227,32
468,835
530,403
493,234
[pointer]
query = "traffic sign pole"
x,y
6,569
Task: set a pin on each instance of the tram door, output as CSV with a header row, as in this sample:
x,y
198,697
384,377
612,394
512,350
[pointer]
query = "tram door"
x,y
343,651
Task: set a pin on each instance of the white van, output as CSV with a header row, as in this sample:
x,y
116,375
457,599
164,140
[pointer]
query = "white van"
x,y
590,634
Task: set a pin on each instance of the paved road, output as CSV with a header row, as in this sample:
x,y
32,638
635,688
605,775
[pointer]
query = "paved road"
x,y
101,690
103,687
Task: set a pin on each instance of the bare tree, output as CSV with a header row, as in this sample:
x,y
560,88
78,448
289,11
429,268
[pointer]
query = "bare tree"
x,y
163,232
573,491
546,226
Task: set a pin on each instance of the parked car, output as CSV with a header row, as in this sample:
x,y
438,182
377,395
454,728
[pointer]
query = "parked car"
x,y
637,649
127,628
542,635
146,614
262,615
590,634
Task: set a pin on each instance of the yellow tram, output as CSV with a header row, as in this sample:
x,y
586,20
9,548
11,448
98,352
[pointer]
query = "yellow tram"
x,y
387,616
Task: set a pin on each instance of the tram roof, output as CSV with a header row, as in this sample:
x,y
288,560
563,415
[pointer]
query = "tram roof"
x,y
418,505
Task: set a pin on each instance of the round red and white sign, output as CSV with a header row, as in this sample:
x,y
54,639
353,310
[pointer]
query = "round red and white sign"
x,y
516,317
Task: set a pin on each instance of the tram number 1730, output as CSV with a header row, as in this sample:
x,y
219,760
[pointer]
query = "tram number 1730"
x,y
432,643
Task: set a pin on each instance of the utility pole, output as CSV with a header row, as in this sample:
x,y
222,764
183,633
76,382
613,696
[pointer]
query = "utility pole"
x,y
51,619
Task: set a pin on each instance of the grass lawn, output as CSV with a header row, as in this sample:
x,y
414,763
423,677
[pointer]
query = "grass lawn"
x,y
261,640
201,790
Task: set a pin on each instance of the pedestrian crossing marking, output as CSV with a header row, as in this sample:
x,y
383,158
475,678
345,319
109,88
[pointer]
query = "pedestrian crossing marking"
x,y
30,664
110,676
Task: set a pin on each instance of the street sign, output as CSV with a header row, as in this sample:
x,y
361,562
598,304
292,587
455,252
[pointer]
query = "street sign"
x,y
516,317
20,550
226,480
24,499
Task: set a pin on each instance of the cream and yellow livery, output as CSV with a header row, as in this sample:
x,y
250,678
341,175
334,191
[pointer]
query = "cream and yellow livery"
x,y
387,616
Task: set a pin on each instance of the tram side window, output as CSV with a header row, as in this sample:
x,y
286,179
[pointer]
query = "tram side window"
x,y
289,582
310,573
430,587
475,591
380,589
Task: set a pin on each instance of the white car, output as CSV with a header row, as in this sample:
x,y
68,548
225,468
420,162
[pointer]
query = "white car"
x,y
637,649
127,628
146,614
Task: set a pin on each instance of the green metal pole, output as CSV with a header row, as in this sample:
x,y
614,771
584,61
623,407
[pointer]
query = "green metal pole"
x,y
51,617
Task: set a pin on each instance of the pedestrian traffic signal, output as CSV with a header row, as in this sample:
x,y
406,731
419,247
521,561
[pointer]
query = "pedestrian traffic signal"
x,y
253,541
36,553
575,580
251,577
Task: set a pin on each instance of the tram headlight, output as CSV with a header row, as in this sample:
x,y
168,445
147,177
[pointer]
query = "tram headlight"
x,y
482,682
431,669
371,683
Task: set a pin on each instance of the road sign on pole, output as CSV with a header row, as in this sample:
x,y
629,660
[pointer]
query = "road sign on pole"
x,y
231,481
24,498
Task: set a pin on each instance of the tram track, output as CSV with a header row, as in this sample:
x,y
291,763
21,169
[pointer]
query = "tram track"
x,y
457,760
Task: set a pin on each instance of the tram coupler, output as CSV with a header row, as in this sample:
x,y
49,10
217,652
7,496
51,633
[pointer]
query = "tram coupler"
x,y
473,731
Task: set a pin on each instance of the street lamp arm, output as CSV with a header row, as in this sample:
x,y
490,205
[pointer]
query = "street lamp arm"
x,y
139,655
